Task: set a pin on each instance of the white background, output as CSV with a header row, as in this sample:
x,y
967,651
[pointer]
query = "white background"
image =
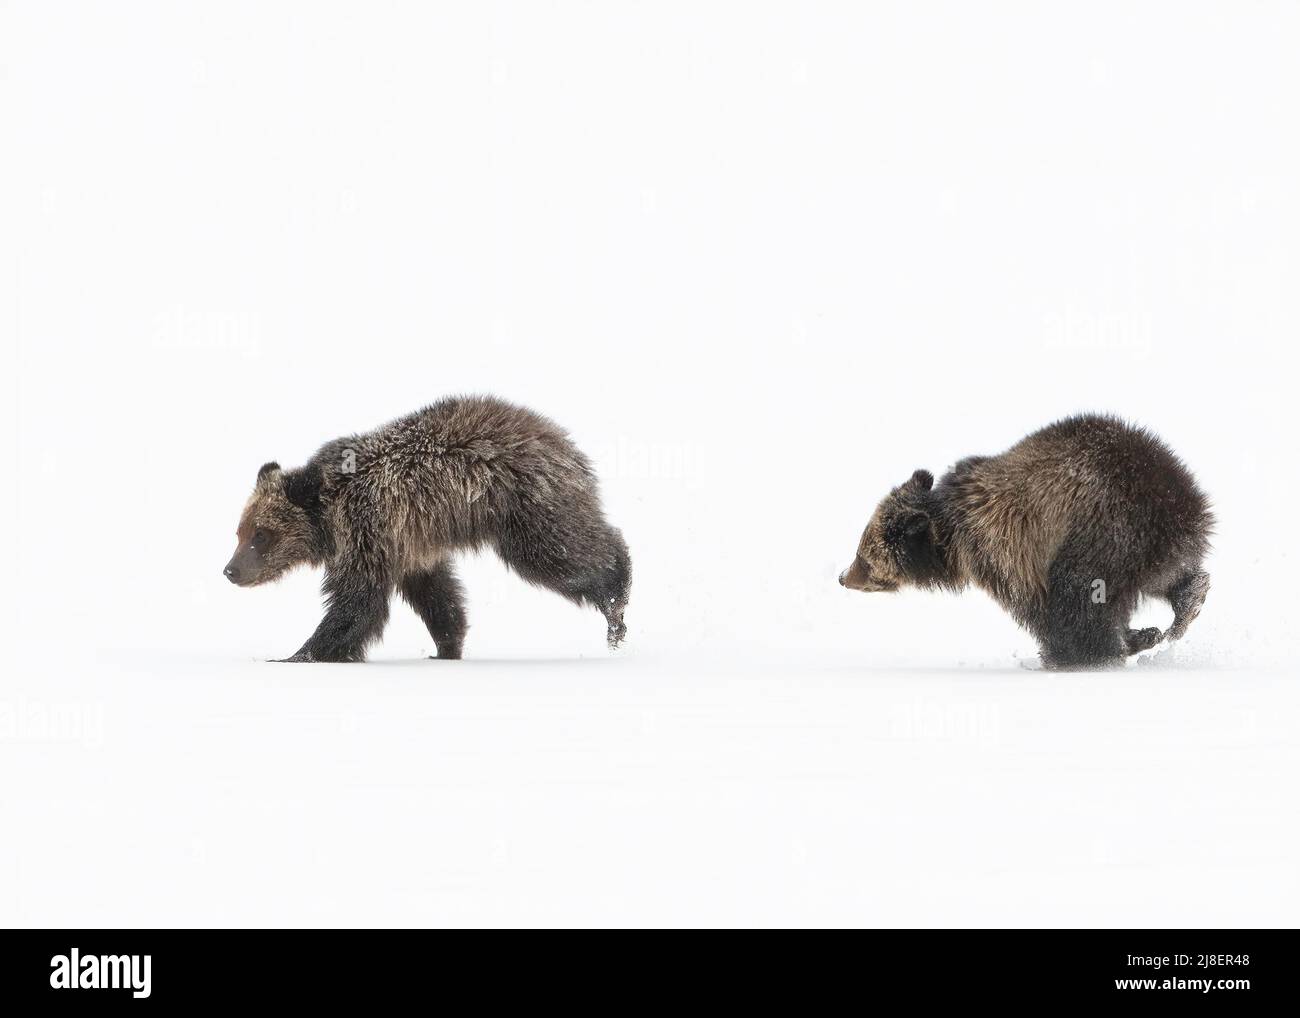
x,y
763,260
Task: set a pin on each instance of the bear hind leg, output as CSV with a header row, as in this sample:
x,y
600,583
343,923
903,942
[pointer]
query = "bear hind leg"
x,y
1139,640
1186,597
610,589
1085,619
587,568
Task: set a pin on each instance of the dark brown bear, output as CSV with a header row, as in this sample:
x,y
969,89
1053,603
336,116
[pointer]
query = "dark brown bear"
x,y
1065,530
385,511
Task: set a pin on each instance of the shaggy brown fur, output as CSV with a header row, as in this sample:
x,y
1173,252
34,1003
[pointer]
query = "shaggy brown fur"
x,y
1066,529
385,511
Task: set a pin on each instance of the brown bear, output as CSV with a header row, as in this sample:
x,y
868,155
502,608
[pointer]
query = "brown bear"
x,y
385,511
1065,530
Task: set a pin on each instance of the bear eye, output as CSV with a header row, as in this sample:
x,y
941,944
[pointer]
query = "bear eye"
x,y
260,539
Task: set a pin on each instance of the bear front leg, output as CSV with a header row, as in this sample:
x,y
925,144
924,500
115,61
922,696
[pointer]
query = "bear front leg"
x,y
439,600
355,615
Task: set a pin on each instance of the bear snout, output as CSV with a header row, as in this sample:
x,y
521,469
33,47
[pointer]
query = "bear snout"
x,y
854,577
243,570
860,577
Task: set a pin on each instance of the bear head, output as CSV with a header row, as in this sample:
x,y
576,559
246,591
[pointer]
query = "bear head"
x,y
280,526
899,544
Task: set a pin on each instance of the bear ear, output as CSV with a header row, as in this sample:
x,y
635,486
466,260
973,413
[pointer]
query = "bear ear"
x,y
921,480
267,468
302,487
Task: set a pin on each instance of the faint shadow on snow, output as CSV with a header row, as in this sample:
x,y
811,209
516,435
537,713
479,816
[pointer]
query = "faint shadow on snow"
x,y
435,664
1163,657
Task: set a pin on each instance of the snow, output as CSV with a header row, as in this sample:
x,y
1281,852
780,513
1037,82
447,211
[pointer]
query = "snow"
x,y
761,280
800,789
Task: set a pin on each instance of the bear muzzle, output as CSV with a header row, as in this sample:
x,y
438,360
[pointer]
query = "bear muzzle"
x,y
858,577
245,567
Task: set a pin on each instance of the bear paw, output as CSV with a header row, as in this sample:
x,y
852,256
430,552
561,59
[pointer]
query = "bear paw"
x,y
1142,639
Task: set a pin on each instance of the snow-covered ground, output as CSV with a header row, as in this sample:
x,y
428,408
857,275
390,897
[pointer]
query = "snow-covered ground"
x,y
805,789
763,263
891,779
